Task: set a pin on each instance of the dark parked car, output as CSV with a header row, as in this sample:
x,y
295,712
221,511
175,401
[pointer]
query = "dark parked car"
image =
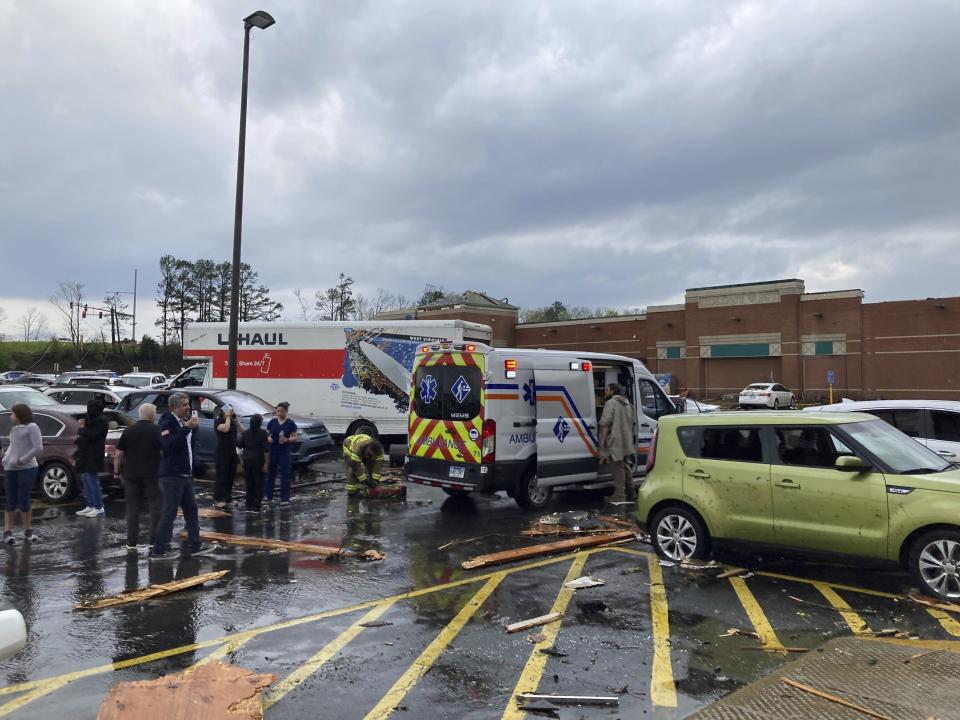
x,y
315,441
58,480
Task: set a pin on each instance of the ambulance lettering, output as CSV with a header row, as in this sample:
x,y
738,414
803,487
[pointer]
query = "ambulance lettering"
x,y
522,438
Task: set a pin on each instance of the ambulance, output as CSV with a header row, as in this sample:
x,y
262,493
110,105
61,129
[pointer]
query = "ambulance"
x,y
354,375
524,421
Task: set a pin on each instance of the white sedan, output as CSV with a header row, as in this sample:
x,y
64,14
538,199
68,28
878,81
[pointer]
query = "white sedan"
x,y
766,395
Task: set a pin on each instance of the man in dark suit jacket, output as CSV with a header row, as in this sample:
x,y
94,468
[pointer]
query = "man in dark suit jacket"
x,y
176,479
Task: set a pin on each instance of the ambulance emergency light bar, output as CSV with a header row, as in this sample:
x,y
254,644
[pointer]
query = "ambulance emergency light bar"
x,y
510,369
586,366
448,346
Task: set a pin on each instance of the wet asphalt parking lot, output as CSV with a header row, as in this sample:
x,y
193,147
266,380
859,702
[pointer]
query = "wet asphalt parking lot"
x,y
414,635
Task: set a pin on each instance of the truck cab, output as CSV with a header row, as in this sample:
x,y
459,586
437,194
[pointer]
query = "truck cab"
x,y
524,421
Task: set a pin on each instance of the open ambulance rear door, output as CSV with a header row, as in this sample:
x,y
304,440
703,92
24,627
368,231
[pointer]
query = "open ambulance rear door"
x,y
566,427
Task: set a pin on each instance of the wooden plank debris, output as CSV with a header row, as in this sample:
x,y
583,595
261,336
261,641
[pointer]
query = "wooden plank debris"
x,y
835,699
209,513
938,605
569,699
213,691
533,622
733,572
271,544
547,549
150,591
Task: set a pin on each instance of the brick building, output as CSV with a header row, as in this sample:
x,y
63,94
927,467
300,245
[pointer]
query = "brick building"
x,y
725,337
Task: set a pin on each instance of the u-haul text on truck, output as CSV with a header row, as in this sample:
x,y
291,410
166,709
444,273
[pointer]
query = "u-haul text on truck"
x,y
355,376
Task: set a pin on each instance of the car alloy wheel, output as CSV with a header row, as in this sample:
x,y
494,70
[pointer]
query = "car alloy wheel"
x,y
538,494
939,565
677,537
55,482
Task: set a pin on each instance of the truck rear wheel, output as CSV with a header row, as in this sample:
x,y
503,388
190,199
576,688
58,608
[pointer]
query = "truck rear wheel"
x,y
530,495
363,427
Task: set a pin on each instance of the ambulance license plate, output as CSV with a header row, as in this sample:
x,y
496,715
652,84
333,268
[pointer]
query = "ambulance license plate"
x,y
457,472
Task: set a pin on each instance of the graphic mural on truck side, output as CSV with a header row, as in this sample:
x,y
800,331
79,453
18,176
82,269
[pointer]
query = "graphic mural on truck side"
x,y
381,363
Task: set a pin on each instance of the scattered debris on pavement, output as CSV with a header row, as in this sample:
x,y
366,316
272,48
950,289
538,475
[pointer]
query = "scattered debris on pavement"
x,y
553,652
778,649
548,549
733,572
576,523
583,582
149,592
541,707
213,691
285,546
533,622
534,639
375,624
835,699
463,541
931,603
209,513
700,565
742,633
523,698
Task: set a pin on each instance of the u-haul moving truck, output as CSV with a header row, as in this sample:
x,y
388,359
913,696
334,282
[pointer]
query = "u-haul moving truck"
x,y
355,376
524,421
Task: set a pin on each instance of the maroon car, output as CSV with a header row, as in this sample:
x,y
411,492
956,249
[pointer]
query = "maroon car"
x,y
58,479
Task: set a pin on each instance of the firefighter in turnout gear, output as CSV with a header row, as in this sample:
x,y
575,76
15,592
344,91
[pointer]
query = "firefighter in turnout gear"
x,y
364,458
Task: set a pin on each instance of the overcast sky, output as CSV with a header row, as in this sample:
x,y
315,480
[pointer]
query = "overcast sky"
x,y
600,153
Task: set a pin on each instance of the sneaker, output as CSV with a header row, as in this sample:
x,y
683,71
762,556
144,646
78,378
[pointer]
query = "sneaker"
x,y
132,548
204,550
8,538
30,537
284,503
220,505
165,556
96,512
85,512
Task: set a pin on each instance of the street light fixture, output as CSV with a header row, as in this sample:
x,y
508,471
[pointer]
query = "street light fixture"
x,y
261,20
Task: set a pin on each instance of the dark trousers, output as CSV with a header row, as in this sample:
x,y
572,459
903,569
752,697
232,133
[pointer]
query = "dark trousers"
x,y
253,474
282,462
226,469
141,494
177,492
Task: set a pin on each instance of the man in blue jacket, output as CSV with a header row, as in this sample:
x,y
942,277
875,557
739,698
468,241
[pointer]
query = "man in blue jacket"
x,y
176,479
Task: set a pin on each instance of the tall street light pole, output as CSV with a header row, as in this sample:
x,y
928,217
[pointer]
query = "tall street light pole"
x,y
261,20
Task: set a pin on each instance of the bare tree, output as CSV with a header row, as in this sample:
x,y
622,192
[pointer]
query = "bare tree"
x,y
33,323
68,300
306,312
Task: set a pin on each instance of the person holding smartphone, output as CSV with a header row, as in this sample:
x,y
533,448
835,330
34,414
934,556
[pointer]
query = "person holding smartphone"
x,y
282,433
176,479
227,427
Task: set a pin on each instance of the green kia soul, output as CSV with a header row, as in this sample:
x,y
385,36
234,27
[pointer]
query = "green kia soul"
x,y
845,483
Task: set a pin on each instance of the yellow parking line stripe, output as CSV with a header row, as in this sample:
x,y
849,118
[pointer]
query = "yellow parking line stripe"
x,y
532,672
249,634
768,638
663,691
857,624
428,657
38,692
225,649
835,586
946,621
294,679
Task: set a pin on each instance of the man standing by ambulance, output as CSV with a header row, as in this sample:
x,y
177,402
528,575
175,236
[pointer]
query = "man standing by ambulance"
x,y
618,433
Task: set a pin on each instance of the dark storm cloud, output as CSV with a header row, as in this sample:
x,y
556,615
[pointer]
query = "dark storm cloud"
x,y
602,153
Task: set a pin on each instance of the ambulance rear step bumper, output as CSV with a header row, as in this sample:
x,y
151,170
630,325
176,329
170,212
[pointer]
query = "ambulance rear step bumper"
x,y
448,484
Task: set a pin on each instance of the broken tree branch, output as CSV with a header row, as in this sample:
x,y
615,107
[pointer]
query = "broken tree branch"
x,y
547,549
569,699
835,699
149,592
938,605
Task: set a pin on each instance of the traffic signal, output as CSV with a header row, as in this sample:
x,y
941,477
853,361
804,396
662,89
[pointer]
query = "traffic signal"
x,y
84,313
101,314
